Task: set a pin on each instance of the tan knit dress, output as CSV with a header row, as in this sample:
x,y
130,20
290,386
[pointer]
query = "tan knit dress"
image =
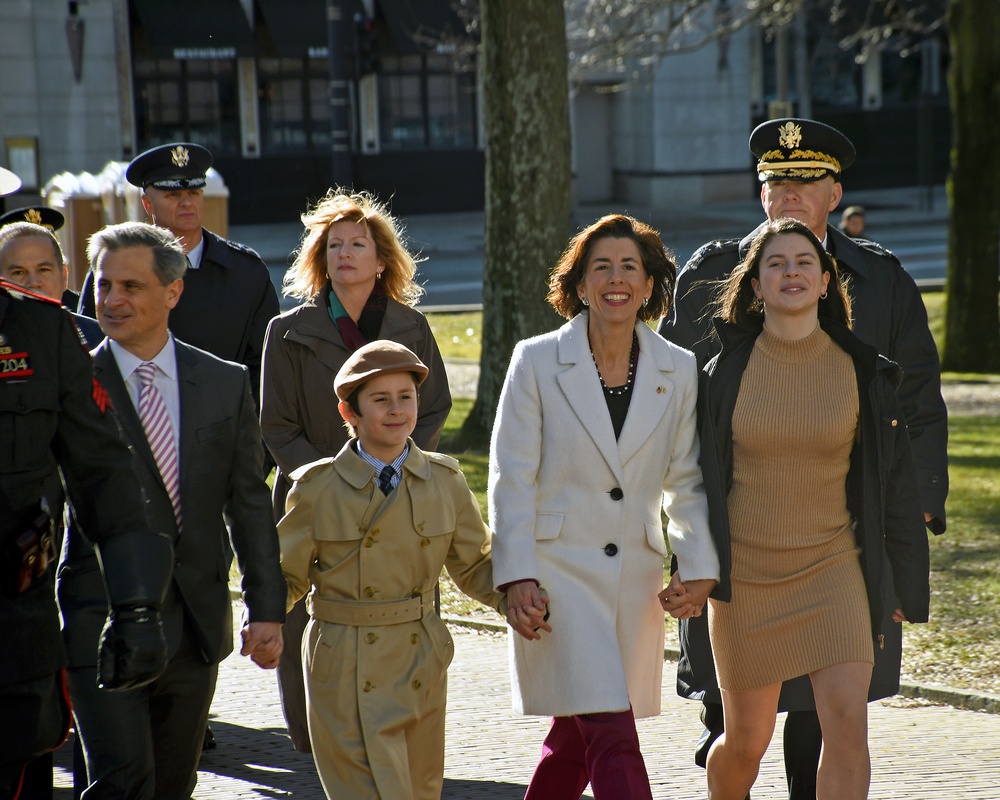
x,y
799,601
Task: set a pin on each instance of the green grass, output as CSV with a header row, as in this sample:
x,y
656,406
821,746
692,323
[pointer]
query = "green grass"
x,y
960,646
459,336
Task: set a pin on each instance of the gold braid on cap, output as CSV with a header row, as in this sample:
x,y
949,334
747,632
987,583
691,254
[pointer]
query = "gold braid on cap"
x,y
797,164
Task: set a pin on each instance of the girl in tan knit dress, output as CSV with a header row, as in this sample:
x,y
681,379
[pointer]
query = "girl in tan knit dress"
x,y
793,406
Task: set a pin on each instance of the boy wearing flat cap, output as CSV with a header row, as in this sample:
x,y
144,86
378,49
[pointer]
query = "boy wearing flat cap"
x,y
366,533
799,164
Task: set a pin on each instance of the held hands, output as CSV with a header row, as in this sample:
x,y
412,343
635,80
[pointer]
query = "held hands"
x,y
898,615
262,641
133,650
527,609
683,600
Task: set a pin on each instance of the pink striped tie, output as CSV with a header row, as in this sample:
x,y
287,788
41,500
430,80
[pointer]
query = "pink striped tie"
x,y
160,434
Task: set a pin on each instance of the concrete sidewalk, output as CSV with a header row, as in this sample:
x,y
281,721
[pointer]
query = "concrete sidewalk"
x,y
919,751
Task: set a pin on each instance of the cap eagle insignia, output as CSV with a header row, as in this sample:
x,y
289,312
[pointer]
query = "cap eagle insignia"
x,y
179,156
789,136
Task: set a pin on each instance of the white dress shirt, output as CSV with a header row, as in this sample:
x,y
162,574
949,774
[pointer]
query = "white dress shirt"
x,y
165,380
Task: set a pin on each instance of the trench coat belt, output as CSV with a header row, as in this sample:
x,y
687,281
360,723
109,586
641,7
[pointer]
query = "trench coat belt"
x,y
363,613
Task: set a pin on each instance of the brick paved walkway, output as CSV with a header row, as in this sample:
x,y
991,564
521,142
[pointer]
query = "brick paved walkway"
x,y
919,751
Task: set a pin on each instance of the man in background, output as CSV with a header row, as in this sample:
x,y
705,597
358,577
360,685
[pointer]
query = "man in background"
x,y
52,220
31,256
228,297
852,222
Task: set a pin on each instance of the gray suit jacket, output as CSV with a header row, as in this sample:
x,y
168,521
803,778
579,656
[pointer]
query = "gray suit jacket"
x,y
221,486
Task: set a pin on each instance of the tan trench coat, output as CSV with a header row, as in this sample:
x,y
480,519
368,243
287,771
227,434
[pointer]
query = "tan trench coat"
x,y
376,692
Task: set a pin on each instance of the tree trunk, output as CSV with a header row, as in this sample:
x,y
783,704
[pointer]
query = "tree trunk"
x,y
526,119
972,333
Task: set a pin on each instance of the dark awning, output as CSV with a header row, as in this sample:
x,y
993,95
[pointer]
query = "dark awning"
x,y
417,25
189,29
304,33
295,34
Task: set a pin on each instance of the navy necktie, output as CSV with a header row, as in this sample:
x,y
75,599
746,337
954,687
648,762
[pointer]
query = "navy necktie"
x,y
385,479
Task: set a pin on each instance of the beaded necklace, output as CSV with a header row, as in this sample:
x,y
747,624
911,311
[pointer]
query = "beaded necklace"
x,y
633,355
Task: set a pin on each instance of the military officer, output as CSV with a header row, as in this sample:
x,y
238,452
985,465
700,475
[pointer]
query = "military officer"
x,y
31,256
799,164
52,220
228,297
54,417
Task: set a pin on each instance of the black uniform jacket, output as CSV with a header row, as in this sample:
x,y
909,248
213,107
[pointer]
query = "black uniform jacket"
x,y
225,307
221,486
889,314
54,416
882,495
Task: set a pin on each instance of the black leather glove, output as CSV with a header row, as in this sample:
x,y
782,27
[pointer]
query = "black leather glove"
x,y
133,649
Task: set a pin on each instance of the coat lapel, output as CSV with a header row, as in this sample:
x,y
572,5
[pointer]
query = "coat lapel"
x,y
107,372
652,391
582,388
190,398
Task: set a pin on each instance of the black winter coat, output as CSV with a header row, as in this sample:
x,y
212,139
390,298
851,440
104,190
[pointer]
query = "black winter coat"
x,y
888,313
883,496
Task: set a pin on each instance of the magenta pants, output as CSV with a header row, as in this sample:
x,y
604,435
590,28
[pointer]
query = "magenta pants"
x,y
599,749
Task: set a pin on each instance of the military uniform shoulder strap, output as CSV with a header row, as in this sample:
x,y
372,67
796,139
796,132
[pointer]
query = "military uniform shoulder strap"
x,y
20,293
715,248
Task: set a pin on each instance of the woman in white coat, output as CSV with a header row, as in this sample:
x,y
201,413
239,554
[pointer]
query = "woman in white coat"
x,y
596,431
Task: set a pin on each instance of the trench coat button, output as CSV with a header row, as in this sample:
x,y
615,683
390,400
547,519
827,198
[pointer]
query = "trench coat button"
x,y
370,591
415,685
371,637
414,638
611,549
616,493
425,542
415,592
369,542
367,686
420,527
362,529
894,423
935,480
375,531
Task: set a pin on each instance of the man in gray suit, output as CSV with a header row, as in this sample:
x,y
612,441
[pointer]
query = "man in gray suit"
x,y
191,420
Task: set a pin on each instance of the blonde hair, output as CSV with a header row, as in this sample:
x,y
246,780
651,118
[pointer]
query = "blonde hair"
x,y
308,274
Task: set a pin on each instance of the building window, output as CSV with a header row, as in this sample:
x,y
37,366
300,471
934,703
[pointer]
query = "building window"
x,y
193,100
424,103
294,105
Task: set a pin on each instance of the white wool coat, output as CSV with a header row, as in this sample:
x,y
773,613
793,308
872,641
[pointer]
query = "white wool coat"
x,y
554,466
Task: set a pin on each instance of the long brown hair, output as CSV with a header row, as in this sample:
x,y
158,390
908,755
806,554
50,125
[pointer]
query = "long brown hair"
x,y
736,301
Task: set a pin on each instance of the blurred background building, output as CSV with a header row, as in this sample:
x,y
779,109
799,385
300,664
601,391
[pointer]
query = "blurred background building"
x,y
85,83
